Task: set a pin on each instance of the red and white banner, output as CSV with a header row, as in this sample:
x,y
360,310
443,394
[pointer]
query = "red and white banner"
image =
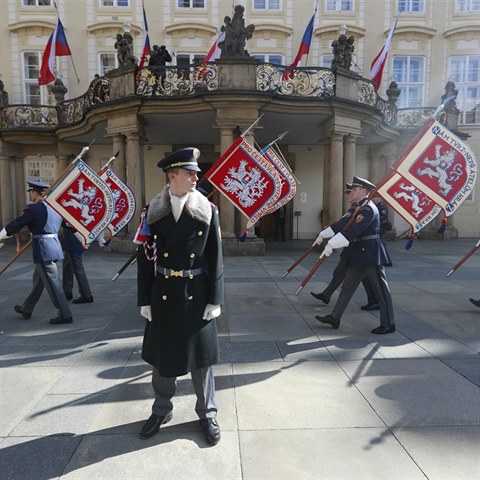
x,y
247,179
289,186
437,172
411,203
84,200
378,63
123,198
441,165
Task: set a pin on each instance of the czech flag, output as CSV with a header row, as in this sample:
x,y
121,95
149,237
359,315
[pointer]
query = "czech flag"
x,y
376,68
304,47
146,48
57,46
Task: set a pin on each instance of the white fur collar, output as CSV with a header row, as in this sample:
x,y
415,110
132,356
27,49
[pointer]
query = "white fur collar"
x,y
197,207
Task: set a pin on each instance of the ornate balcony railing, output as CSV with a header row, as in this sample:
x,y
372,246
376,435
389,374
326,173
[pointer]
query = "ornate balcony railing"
x,y
300,82
29,116
177,81
368,95
74,110
154,82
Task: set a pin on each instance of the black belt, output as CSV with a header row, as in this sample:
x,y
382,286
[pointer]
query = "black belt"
x,y
170,272
366,237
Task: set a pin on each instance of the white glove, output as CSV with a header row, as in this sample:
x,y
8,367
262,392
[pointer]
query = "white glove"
x,y
327,251
338,241
211,311
324,234
146,312
3,235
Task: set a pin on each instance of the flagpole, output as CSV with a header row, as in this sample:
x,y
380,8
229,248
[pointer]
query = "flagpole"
x,y
71,54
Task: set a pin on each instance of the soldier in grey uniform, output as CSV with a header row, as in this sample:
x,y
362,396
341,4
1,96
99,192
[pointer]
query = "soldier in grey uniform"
x,y
44,224
180,290
366,256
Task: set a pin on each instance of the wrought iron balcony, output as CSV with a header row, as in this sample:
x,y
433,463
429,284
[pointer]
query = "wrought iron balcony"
x,y
156,82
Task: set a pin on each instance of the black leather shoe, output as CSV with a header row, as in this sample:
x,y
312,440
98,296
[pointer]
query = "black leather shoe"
x,y
472,300
83,300
322,297
334,322
58,320
381,330
211,430
19,310
152,425
370,306
68,296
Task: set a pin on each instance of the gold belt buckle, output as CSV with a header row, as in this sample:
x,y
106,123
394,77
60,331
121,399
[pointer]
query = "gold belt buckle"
x,y
176,273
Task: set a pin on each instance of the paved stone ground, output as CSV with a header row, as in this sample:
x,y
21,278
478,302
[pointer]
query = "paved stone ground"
x,y
297,400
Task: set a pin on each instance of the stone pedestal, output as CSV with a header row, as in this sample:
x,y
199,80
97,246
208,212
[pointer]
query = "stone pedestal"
x,y
122,82
237,74
346,84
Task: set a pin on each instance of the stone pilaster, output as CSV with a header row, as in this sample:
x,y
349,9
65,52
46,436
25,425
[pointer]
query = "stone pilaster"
x,y
119,166
134,153
335,195
6,192
349,156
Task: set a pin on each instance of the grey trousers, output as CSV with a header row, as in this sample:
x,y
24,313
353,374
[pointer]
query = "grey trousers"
x,y
378,281
73,265
45,275
203,384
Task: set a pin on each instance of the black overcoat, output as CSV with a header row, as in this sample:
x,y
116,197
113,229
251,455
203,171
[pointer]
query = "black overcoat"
x,y
177,339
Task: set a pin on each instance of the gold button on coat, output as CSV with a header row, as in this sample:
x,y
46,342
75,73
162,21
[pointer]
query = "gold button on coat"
x,y
192,255
190,297
164,297
165,254
200,233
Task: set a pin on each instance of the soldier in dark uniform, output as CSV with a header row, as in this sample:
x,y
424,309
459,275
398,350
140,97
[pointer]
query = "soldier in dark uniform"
x,y
342,266
366,256
180,290
73,266
44,224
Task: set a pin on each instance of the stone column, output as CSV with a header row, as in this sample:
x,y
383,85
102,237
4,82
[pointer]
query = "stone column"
x,y
326,185
6,192
349,157
335,195
119,165
227,210
20,185
134,174
62,163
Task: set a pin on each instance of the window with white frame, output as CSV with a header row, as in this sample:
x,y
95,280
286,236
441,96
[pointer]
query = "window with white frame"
x,y
464,71
269,58
191,3
36,3
114,3
40,170
266,4
339,6
31,71
107,62
467,5
184,60
326,60
411,6
409,73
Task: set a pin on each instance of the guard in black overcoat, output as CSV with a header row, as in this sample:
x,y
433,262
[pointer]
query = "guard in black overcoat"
x,y
366,255
180,290
44,224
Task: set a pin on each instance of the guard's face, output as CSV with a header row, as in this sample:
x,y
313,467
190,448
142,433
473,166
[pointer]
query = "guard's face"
x,y
183,182
358,193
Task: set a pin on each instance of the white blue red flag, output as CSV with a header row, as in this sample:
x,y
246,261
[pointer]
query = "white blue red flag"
x,y
246,179
84,200
304,47
124,200
146,47
57,46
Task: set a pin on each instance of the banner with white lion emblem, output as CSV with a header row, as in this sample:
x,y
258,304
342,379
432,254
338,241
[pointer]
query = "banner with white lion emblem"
x,y
410,202
247,179
124,200
84,200
440,165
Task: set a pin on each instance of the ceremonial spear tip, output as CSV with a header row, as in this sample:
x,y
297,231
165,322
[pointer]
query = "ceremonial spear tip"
x,y
450,272
298,290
